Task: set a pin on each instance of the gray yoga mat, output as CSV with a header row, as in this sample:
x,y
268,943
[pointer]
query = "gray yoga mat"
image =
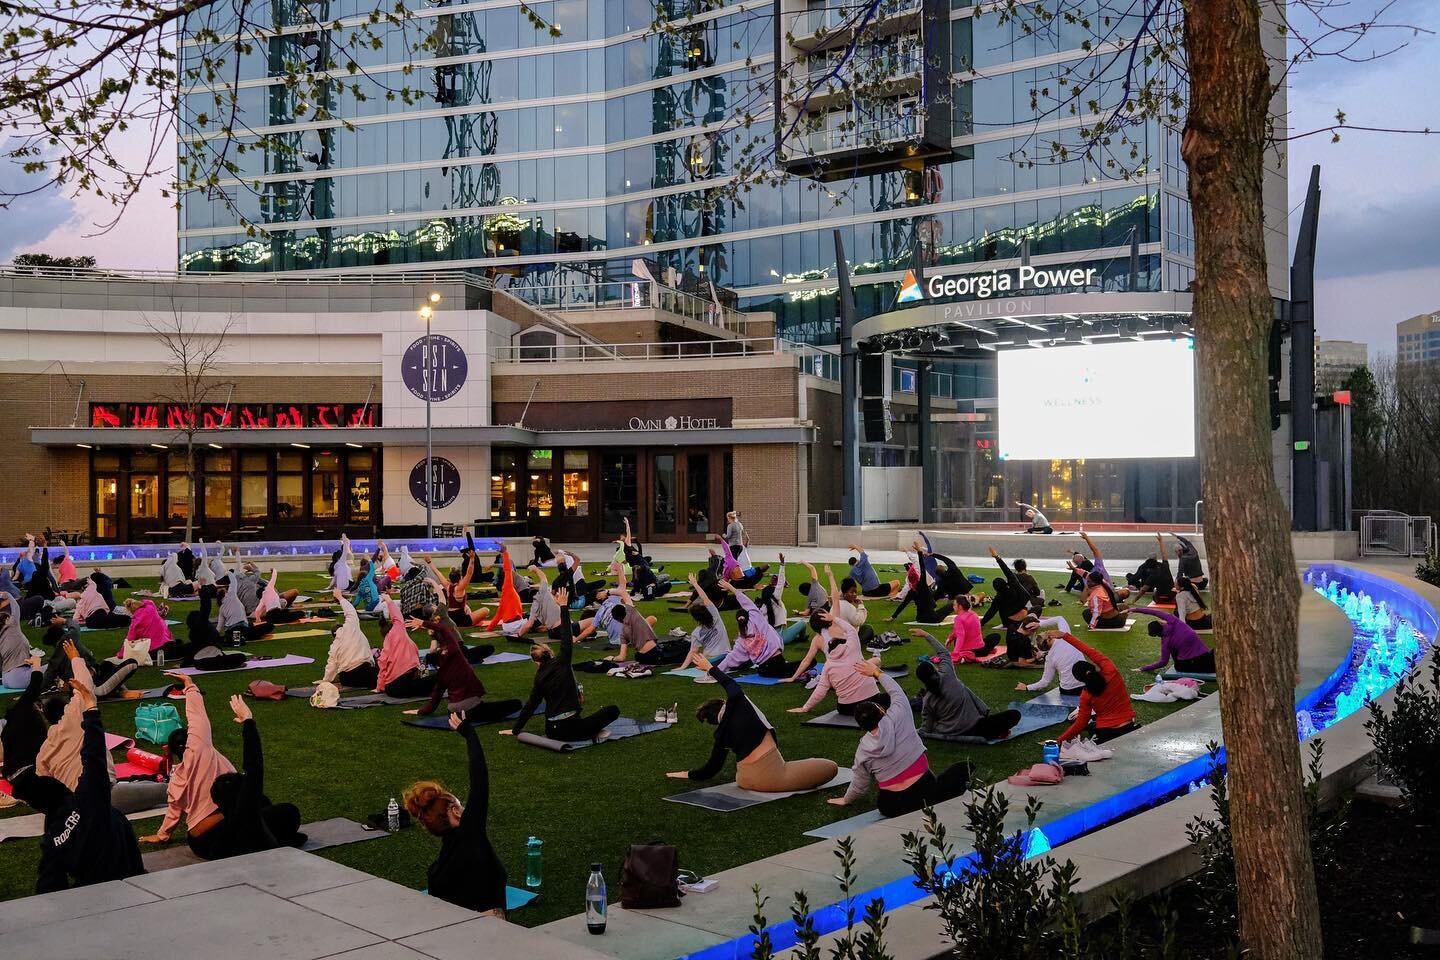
x,y
374,700
289,660
841,828
1173,674
33,825
442,721
621,729
832,719
1033,716
337,832
728,797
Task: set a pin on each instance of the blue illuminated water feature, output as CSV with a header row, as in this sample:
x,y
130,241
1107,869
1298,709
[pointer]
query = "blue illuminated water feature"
x,y
1393,626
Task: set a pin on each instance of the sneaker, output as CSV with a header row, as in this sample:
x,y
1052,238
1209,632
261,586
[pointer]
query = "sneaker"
x,y
673,714
1075,750
677,632
1101,753
660,715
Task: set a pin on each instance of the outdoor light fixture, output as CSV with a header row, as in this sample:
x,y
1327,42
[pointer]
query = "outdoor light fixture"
x,y
352,446
215,446
302,446
84,446
159,446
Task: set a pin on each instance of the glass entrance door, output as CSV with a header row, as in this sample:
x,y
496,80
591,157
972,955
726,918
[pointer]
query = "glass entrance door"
x,y
698,517
618,493
665,480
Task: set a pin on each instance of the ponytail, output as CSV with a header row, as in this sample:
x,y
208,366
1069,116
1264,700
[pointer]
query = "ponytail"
x,y
1186,584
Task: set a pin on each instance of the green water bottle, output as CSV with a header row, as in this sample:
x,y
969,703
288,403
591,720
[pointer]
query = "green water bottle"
x,y
534,862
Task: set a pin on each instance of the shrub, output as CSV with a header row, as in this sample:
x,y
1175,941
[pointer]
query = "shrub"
x,y
1429,569
1407,741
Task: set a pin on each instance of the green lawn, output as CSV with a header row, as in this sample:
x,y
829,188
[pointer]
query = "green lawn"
x,y
587,806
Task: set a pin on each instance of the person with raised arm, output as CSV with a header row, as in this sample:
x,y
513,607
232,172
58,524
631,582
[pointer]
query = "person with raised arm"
x,y
742,729
1178,642
1187,562
866,577
467,872
1038,522
841,643
194,766
1049,637
709,640
455,678
638,630
1104,698
556,688
949,709
509,607
757,643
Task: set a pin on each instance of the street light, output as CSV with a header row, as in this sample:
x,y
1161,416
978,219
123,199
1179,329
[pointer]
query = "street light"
x,y
427,311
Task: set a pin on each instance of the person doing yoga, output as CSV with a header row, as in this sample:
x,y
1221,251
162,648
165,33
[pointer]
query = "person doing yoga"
x,y
248,822
1038,522
194,766
1178,642
94,613
1102,607
234,623
1189,607
399,673
455,678
16,663
742,729
966,642
1187,562
869,581
510,607
467,872
892,757
638,631
85,839
273,606
841,643
1159,580
351,662
147,623
1050,638
926,609
555,687
1105,699
950,709
757,644
1079,567
709,640
203,650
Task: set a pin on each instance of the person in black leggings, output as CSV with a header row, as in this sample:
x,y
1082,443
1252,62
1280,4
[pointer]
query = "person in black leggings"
x,y
555,686
926,609
250,822
204,649
467,872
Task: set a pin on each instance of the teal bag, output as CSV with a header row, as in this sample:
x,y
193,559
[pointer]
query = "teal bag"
x,y
154,722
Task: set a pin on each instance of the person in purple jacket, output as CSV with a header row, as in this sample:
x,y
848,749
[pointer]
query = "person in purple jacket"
x,y
1178,642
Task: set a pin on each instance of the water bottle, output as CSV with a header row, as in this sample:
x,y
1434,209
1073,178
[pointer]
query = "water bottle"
x,y
595,901
392,816
534,862
160,657
1051,752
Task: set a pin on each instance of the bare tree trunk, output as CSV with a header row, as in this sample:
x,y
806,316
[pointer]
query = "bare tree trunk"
x,y
190,483
1247,528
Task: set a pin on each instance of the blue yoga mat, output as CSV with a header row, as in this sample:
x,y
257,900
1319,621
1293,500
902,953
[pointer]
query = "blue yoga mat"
x,y
692,672
840,828
755,678
1176,674
515,898
696,673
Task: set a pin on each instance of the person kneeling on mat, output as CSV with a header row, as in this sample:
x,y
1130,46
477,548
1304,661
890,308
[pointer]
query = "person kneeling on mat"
x,y
455,678
948,708
467,872
756,642
892,756
555,686
841,643
1178,642
86,840
741,728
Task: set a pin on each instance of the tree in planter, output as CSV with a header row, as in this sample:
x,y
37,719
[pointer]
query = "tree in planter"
x,y
865,942
195,355
1407,741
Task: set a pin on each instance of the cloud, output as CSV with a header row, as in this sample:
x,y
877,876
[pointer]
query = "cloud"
x,y
1367,307
31,218
1376,238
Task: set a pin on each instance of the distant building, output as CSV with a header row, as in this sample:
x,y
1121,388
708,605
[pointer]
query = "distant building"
x,y
1418,339
1334,360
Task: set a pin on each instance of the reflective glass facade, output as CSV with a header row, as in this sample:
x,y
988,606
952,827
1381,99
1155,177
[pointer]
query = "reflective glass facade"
x,y
560,159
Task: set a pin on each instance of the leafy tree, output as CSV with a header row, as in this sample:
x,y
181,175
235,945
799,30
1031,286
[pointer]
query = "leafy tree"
x,y
46,260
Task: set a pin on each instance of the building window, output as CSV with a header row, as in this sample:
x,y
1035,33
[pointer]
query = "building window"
x,y
325,486
289,485
254,486
218,495
358,471
539,500
537,343
107,502
575,483
504,482
144,486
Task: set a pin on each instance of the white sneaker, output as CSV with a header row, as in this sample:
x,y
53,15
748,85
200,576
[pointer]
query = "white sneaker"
x,y
1101,753
673,714
659,714
1075,750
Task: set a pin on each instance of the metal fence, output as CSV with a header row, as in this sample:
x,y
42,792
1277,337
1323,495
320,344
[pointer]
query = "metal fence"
x,y
1387,533
629,295
683,350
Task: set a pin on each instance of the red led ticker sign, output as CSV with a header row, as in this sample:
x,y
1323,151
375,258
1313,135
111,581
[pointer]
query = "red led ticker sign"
x,y
243,416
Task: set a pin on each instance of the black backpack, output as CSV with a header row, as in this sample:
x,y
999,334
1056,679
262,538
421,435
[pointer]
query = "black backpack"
x,y
650,877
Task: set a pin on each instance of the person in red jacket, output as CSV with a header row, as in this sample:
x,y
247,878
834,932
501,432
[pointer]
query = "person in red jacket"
x,y
510,607
1105,696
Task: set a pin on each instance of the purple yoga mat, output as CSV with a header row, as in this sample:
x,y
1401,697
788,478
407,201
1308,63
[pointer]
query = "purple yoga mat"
x,y
289,660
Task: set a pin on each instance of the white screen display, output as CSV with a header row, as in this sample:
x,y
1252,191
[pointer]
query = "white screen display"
x,y
1113,401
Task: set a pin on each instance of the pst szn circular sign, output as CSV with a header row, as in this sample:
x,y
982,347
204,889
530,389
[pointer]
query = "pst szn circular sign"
x,y
434,368
444,483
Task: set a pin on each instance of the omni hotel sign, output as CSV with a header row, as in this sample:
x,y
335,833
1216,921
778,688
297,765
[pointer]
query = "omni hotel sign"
x,y
682,422
631,416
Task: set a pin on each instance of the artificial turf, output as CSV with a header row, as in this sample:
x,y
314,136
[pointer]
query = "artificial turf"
x,y
586,806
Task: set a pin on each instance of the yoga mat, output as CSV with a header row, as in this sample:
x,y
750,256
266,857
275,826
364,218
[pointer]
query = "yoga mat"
x,y
33,825
947,622
305,693
694,672
374,700
298,634
442,722
727,797
486,634
1054,697
841,828
503,657
172,623
758,680
315,620
999,651
290,660
621,729
901,671
515,898
179,855
1128,624
336,832
832,719
7,691
1173,674
129,771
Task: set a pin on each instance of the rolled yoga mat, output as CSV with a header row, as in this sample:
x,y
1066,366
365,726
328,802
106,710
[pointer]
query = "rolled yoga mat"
x,y
728,797
621,729
1173,674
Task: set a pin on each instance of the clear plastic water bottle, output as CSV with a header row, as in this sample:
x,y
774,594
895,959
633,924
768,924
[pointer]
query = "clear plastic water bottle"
x,y
595,901
534,862
160,657
392,816
1051,752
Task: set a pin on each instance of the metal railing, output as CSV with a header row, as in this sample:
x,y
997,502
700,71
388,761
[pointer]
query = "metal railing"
x,y
632,295
1388,533
830,19
688,350
864,134
815,361
175,276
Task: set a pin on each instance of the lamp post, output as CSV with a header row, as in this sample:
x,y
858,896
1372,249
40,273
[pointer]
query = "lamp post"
x,y
427,311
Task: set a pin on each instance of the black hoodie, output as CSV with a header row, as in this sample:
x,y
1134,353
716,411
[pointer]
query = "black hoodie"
x,y
86,839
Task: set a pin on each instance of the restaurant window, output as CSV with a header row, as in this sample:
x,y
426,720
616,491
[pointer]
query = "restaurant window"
x,y
617,490
504,479
540,501
665,499
697,493
289,485
575,483
358,472
177,488
107,503
254,486
144,486
218,495
325,486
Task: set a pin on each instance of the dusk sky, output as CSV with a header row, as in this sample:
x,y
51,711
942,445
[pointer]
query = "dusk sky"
x,y
1379,244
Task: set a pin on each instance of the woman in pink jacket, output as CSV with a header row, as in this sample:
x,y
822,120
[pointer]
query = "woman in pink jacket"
x,y
843,652
147,622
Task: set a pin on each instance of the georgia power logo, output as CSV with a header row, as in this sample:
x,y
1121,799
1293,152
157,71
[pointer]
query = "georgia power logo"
x,y
910,290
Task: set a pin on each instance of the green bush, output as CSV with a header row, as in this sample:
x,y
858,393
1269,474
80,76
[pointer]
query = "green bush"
x,y
1407,741
1429,569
